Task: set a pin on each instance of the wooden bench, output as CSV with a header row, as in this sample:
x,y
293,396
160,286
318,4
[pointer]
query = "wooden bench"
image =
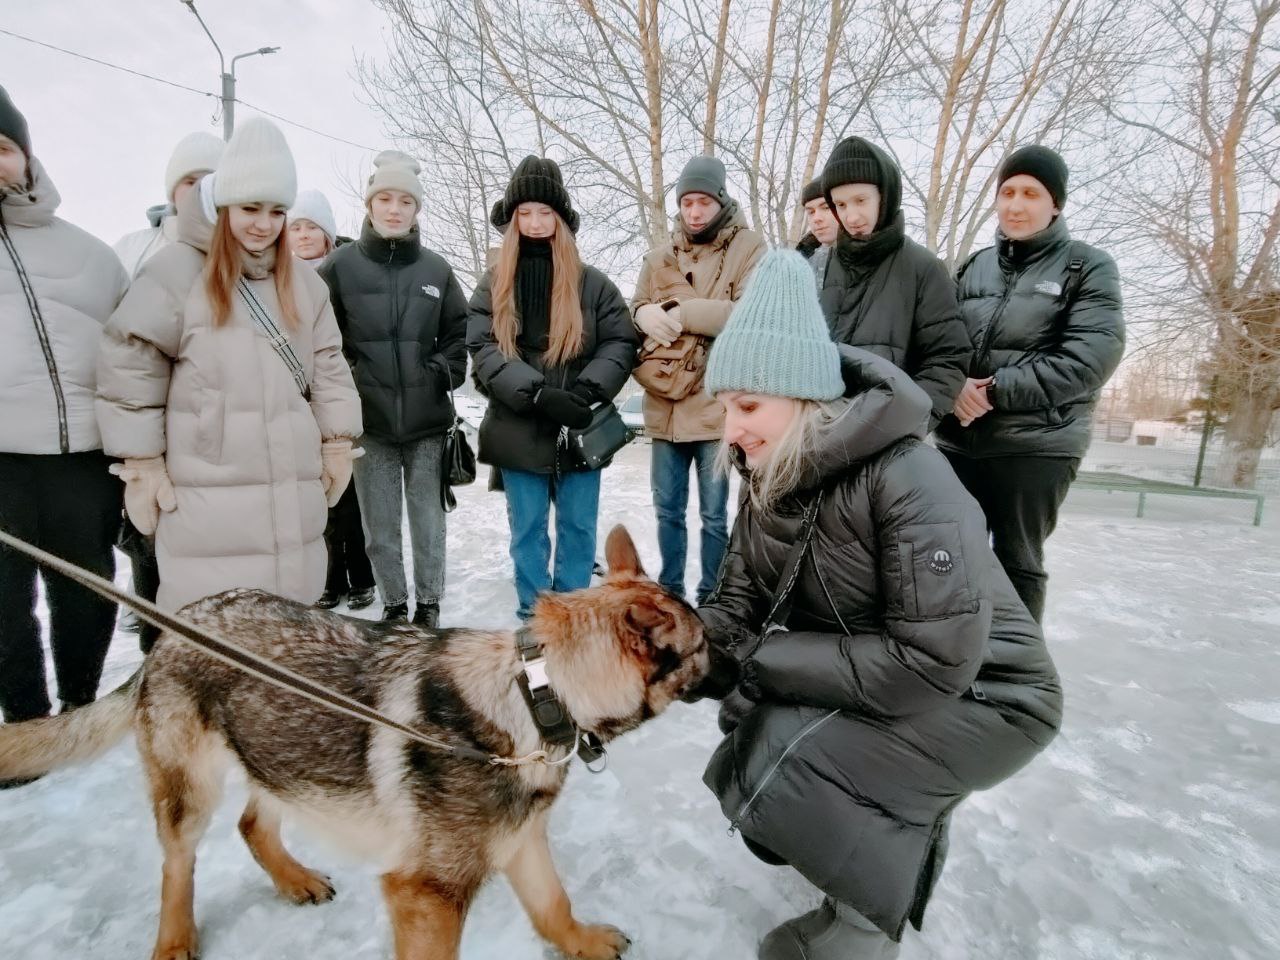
x,y
1105,480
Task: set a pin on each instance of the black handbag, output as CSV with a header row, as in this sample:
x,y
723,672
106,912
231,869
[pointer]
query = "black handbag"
x,y
595,444
459,460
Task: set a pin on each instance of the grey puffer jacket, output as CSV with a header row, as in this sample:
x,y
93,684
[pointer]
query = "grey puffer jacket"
x,y
909,675
1050,358
58,286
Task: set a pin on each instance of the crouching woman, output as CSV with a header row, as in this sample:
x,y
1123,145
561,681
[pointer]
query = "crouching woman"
x,y
906,673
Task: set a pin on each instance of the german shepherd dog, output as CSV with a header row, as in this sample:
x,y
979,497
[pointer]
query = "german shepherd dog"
x,y
439,824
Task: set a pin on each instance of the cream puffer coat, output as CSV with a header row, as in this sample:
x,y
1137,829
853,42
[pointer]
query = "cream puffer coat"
x,y
58,286
241,444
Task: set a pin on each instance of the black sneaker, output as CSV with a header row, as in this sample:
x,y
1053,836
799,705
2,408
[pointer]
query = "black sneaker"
x,y
395,611
329,599
427,615
359,599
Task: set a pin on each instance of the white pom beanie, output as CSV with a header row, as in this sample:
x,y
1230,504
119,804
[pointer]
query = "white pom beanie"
x,y
256,167
314,206
195,153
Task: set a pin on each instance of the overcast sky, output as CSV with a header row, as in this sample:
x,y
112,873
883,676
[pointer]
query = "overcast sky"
x,y
105,136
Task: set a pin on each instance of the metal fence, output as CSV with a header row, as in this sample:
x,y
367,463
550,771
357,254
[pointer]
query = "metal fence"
x,y
1161,450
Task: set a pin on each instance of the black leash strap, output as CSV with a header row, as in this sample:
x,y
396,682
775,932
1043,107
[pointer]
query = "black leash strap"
x,y
236,656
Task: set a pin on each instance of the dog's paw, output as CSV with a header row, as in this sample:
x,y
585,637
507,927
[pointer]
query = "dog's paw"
x,y
306,887
597,942
176,951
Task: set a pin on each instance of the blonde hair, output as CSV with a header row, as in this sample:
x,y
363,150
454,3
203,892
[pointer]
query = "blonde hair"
x,y
223,269
781,474
564,341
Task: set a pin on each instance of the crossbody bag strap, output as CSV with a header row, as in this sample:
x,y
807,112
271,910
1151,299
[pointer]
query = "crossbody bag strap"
x,y
780,605
278,339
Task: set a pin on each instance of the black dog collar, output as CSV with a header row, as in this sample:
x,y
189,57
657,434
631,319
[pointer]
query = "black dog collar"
x,y
554,724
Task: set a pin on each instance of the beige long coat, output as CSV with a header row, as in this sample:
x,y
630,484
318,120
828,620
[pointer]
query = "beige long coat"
x,y
241,444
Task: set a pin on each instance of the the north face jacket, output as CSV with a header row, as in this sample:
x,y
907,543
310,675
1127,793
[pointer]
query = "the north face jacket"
x,y
1050,357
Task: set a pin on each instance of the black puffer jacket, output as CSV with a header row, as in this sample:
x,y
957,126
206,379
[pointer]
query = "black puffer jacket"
x,y
403,318
910,674
1050,358
513,434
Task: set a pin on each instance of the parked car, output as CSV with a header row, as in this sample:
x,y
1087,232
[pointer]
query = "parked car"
x,y
632,412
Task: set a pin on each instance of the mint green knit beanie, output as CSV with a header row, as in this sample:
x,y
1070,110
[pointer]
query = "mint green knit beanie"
x,y
777,341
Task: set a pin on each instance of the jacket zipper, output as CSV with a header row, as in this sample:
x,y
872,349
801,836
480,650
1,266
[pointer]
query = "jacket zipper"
x,y
42,334
395,335
810,728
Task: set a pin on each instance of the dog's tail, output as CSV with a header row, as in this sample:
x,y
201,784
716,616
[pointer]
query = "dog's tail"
x,y
34,748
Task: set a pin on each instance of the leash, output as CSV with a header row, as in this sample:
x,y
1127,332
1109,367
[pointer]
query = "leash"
x,y
261,668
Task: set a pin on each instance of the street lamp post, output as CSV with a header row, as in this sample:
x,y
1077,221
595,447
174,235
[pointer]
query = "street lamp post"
x,y
228,79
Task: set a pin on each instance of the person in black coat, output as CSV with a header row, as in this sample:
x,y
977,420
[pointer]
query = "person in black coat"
x,y
883,291
550,337
403,318
1043,312
899,673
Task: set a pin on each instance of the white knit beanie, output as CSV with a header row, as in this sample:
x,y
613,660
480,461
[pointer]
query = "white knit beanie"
x,y
314,206
393,170
195,153
256,167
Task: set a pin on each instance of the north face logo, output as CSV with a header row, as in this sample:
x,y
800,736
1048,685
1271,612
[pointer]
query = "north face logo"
x,y
941,562
431,291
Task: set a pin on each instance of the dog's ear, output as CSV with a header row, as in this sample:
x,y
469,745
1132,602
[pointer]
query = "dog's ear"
x,y
620,553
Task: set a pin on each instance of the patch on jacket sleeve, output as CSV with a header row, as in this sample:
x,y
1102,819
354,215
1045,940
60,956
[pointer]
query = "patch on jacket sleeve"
x,y
935,582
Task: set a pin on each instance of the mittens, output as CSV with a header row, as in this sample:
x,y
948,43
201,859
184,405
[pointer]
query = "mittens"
x,y
336,457
147,491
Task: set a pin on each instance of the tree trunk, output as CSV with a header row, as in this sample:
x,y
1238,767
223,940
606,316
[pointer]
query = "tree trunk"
x,y
1245,438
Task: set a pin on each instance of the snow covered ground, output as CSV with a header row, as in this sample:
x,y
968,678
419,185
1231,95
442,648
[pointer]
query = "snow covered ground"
x,y
1150,829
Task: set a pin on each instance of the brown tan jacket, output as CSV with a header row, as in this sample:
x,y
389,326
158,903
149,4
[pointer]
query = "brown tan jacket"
x,y
718,273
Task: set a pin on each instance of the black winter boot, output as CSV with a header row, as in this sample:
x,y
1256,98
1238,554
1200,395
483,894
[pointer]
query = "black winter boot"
x,y
427,614
395,611
834,931
329,599
359,599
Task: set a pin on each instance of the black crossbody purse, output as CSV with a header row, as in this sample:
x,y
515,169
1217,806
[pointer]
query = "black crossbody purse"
x,y
595,444
458,460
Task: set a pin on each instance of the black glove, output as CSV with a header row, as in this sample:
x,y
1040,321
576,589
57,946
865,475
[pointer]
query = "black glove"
x,y
562,407
586,392
721,678
733,709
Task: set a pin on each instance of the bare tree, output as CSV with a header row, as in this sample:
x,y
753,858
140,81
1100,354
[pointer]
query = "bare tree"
x,y
1209,194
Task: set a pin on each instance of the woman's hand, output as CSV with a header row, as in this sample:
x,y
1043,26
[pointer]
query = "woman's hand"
x,y
973,401
147,491
662,325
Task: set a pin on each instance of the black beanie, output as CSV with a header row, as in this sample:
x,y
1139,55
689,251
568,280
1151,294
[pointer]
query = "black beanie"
x,y
812,191
13,124
535,180
1039,162
855,160
704,174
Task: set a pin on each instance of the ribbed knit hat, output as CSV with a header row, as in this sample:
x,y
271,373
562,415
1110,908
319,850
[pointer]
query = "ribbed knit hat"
x,y
256,167
704,174
195,153
13,124
535,180
812,191
1043,164
314,206
394,170
776,341
855,160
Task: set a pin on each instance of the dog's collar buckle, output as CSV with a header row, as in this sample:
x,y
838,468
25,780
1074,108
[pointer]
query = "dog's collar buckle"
x,y
555,726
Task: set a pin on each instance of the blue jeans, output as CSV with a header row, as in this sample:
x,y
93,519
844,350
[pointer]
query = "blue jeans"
x,y
669,476
529,498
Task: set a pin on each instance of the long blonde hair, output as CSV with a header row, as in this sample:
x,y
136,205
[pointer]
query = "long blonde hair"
x,y
786,467
223,269
565,339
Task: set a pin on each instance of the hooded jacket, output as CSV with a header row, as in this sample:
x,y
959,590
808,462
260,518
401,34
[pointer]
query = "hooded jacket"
x,y
58,286
718,272
241,443
887,294
1049,351
909,675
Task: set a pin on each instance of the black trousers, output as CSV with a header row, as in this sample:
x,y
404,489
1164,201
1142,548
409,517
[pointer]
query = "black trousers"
x,y
141,551
69,505
1021,497
349,567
